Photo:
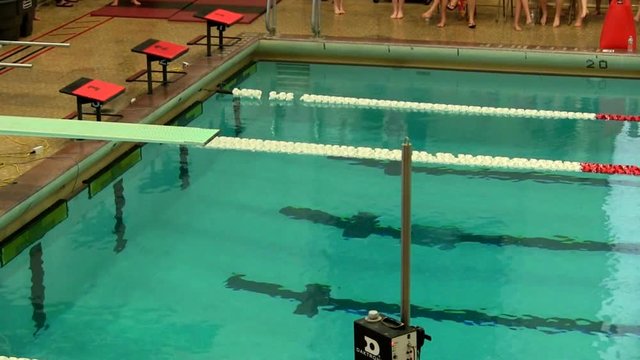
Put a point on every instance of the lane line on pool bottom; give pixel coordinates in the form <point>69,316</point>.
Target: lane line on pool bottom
<point>272,146</point>
<point>342,101</point>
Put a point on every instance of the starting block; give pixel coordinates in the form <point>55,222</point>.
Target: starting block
<point>94,92</point>
<point>221,19</point>
<point>161,51</point>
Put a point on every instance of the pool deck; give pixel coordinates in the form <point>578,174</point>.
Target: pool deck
<point>101,48</point>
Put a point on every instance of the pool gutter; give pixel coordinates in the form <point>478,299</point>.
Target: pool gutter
<point>452,57</point>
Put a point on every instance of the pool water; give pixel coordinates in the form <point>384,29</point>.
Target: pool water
<point>209,254</point>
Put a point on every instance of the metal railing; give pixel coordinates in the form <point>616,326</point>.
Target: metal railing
<point>270,17</point>
<point>315,18</point>
<point>27,43</point>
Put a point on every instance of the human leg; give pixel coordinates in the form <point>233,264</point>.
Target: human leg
<point>558,14</point>
<point>583,13</point>
<point>443,15</point>
<point>543,8</point>
<point>471,13</point>
<point>427,14</point>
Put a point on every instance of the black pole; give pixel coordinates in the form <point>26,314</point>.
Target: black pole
<point>405,233</point>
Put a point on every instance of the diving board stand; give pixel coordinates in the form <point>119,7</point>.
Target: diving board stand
<point>108,131</point>
<point>94,92</point>
<point>161,51</point>
<point>221,20</point>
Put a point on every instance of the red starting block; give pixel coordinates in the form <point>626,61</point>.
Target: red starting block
<point>94,92</point>
<point>161,51</point>
<point>221,19</point>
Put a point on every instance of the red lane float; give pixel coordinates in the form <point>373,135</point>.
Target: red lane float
<point>611,169</point>
<point>618,117</point>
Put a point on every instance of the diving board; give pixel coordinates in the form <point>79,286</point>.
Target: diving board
<point>109,131</point>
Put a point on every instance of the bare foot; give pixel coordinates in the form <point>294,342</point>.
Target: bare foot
<point>114,3</point>
<point>556,22</point>
<point>441,24</point>
<point>579,20</point>
<point>426,15</point>
<point>400,15</point>
<point>637,18</point>
<point>517,27</point>
<point>394,15</point>
<point>543,20</point>
<point>136,2</point>
<point>342,12</point>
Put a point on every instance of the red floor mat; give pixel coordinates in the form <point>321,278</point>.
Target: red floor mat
<point>251,9</point>
<point>150,9</point>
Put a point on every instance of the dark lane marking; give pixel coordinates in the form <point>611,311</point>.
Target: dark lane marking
<point>363,225</point>
<point>392,168</point>
<point>318,296</point>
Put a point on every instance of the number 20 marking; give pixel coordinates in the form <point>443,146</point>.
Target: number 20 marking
<point>602,64</point>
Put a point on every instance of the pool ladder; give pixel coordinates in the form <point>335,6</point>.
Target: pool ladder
<point>315,18</point>
<point>270,17</point>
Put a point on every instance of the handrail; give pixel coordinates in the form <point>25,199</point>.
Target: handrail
<point>33,43</point>
<point>270,17</point>
<point>27,43</point>
<point>15,65</point>
<point>315,18</point>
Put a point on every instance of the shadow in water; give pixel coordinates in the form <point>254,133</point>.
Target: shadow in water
<point>39,316</point>
<point>363,224</point>
<point>184,168</point>
<point>119,227</point>
<point>392,168</point>
<point>318,296</point>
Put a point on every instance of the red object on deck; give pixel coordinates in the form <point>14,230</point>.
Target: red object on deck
<point>224,17</point>
<point>618,26</point>
<point>97,90</point>
<point>165,50</point>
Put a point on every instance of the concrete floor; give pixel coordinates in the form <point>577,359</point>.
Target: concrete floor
<point>101,48</point>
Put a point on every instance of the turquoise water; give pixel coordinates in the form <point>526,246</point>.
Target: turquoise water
<point>238,255</point>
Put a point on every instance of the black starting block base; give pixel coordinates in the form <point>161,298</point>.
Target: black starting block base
<point>136,77</point>
<point>221,20</point>
<point>161,51</point>
<point>226,41</point>
<point>74,115</point>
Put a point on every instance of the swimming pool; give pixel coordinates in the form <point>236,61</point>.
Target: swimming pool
<point>198,253</point>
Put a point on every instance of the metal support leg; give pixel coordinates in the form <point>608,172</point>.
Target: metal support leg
<point>79,108</point>
<point>149,81</point>
<point>98,107</point>
<point>221,29</point>
<point>208,39</point>
<point>164,64</point>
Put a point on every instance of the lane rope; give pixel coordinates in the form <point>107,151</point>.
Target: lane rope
<point>344,151</point>
<point>341,101</point>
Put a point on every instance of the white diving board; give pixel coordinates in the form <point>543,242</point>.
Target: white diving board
<point>110,131</point>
